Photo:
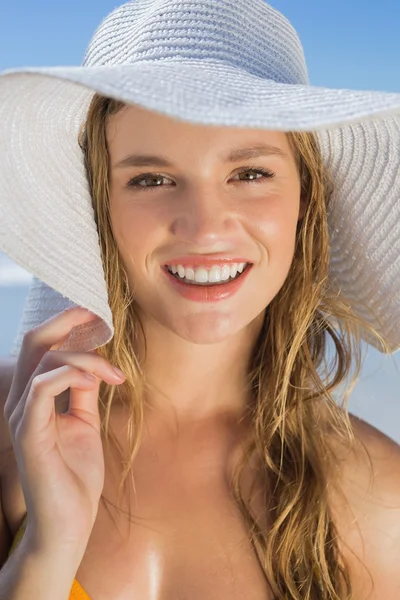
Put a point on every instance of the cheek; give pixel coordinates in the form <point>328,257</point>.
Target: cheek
<point>135,230</point>
<point>274,220</point>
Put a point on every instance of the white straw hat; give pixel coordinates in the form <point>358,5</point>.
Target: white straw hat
<point>237,63</point>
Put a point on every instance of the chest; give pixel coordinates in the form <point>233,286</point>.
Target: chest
<point>185,538</point>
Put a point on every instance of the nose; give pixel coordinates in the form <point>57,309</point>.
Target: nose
<point>204,217</point>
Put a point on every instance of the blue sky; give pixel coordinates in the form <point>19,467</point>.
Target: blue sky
<point>348,44</point>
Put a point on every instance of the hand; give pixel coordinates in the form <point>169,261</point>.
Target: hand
<point>59,456</point>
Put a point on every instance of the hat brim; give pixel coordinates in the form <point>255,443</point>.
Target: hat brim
<point>208,92</point>
<point>46,216</point>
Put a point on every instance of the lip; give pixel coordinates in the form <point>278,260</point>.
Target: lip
<point>203,261</point>
<point>209,293</point>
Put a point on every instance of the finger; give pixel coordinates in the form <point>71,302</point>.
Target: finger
<point>39,408</point>
<point>51,333</point>
<point>84,404</point>
<point>89,362</point>
<point>36,343</point>
<point>86,361</point>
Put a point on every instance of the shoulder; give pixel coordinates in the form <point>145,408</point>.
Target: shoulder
<point>367,511</point>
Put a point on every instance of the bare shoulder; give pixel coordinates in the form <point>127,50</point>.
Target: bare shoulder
<point>367,511</point>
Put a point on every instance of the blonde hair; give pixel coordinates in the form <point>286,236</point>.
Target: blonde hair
<point>300,554</point>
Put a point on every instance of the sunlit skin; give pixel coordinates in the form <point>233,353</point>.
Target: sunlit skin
<point>198,352</point>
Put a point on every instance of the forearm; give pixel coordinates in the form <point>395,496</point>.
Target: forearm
<point>28,575</point>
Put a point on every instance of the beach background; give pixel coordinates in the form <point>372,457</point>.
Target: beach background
<point>347,45</point>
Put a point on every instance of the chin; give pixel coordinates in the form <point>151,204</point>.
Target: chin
<point>210,328</point>
<point>202,325</point>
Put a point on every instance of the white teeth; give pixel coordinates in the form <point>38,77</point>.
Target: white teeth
<point>203,275</point>
<point>189,274</point>
<point>225,273</point>
<point>214,274</point>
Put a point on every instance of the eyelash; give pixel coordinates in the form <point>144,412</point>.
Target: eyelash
<point>133,183</point>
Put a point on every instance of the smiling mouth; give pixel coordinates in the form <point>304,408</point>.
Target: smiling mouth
<point>208,283</point>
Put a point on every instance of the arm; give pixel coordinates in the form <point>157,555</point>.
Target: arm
<point>26,574</point>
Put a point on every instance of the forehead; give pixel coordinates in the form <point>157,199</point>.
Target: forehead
<point>135,128</point>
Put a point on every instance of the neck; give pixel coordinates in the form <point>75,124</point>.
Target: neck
<point>190,382</point>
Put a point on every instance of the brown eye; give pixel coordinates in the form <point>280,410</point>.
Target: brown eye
<point>154,180</point>
<point>253,172</point>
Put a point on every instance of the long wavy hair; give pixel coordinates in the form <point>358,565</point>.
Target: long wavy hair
<point>289,378</point>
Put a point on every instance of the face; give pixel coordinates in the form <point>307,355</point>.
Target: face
<point>201,206</point>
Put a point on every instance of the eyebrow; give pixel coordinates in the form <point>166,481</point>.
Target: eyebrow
<point>144,160</point>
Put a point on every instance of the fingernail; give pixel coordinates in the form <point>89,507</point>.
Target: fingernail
<point>119,373</point>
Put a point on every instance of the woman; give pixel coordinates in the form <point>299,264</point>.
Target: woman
<point>219,465</point>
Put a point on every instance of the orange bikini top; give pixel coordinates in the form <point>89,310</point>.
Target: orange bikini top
<point>77,592</point>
